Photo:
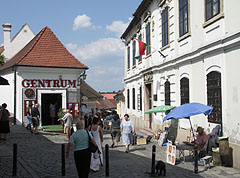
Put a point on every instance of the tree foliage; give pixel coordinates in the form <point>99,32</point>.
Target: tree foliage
<point>1,59</point>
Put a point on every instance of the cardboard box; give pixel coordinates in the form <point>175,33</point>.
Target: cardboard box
<point>141,141</point>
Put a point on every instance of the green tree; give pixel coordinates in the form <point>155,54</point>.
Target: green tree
<point>1,59</point>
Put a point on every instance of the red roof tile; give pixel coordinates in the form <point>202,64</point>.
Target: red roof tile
<point>109,95</point>
<point>44,50</point>
<point>105,104</point>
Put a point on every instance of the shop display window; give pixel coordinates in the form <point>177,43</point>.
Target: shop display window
<point>75,108</point>
<point>27,103</point>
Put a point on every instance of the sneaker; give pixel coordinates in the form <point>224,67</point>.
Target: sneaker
<point>112,146</point>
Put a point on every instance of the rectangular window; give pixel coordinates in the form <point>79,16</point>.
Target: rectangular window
<point>140,98</point>
<point>128,57</point>
<point>27,104</point>
<point>140,38</point>
<point>183,17</point>
<point>133,97</point>
<point>165,27</point>
<point>75,108</point>
<point>128,99</point>
<point>148,41</point>
<point>212,8</point>
<point>134,52</point>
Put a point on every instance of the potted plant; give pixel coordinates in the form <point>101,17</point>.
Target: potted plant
<point>60,114</point>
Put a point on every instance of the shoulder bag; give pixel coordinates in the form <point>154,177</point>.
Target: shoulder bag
<point>92,147</point>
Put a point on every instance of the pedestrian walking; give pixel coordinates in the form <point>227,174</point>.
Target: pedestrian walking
<point>115,129</point>
<point>35,118</point>
<point>29,117</point>
<point>97,134</point>
<point>4,122</point>
<point>82,154</point>
<point>127,130</point>
<point>68,123</point>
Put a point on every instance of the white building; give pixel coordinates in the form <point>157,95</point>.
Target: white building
<point>39,69</point>
<point>200,41</point>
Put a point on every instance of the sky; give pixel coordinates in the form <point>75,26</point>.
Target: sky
<point>89,29</point>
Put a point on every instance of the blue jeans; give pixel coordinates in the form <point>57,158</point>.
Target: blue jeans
<point>29,122</point>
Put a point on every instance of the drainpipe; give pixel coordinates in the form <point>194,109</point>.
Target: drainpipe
<point>15,94</point>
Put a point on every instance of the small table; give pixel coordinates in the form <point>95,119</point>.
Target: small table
<point>182,147</point>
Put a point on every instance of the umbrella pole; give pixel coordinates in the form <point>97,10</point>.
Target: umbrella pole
<point>195,151</point>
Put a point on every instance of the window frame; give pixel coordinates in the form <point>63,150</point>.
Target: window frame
<point>214,96</point>
<point>148,38</point>
<point>184,90</point>
<point>128,57</point>
<point>165,27</point>
<point>182,19</point>
<point>212,9</point>
<point>26,105</point>
<point>140,58</point>
<point>167,93</point>
<point>128,98</point>
<point>133,98</point>
<point>134,52</point>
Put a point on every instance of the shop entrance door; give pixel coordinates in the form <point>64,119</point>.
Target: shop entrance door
<point>50,106</point>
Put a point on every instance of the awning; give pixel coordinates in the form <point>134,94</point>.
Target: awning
<point>89,92</point>
<point>3,81</point>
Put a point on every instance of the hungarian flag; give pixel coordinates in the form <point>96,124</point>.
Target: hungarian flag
<point>141,47</point>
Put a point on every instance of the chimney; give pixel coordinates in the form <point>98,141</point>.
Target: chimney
<point>6,33</point>
<point>6,38</point>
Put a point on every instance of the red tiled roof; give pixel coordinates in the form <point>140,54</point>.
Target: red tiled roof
<point>105,104</point>
<point>109,95</point>
<point>44,50</point>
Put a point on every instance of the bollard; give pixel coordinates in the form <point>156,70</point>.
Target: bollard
<point>196,159</point>
<point>153,159</point>
<point>63,160</point>
<point>14,171</point>
<point>107,160</point>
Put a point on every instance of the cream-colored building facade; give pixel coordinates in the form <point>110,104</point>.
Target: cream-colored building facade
<point>192,56</point>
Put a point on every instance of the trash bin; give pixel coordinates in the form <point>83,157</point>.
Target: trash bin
<point>216,157</point>
<point>224,151</point>
<point>223,146</point>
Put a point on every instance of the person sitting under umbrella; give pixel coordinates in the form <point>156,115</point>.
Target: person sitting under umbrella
<point>201,141</point>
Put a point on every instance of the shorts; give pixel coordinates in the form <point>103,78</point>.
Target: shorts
<point>67,130</point>
<point>116,134</point>
<point>35,121</point>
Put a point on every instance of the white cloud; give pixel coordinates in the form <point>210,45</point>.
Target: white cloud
<point>99,48</point>
<point>118,27</point>
<point>83,21</point>
<point>71,46</point>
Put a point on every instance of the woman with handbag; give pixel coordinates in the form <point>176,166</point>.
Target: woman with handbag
<point>97,133</point>
<point>82,154</point>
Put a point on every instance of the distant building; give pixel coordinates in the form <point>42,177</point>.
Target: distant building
<point>120,99</point>
<point>39,69</point>
<point>191,56</point>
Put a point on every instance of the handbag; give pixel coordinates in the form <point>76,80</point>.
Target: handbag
<point>92,147</point>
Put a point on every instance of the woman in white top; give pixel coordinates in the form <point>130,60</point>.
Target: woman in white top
<point>97,133</point>
<point>127,130</point>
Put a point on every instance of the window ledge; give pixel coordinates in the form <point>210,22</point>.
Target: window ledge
<point>165,47</point>
<point>214,19</point>
<point>184,36</point>
<point>147,56</point>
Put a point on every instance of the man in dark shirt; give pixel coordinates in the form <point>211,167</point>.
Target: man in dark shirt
<point>35,118</point>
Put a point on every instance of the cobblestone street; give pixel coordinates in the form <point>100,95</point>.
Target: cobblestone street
<point>40,156</point>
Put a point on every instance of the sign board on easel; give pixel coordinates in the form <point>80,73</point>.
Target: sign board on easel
<point>171,154</point>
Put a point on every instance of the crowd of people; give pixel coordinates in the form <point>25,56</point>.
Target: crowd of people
<point>90,129</point>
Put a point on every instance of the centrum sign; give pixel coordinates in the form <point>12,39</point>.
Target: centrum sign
<point>45,83</point>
